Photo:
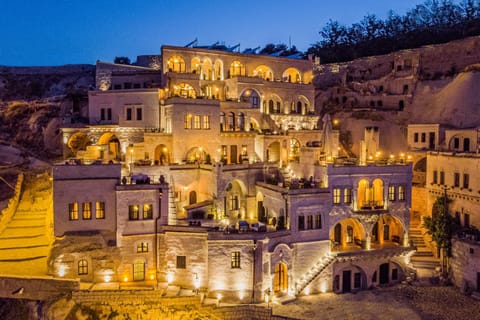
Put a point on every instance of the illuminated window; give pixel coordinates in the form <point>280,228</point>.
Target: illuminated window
<point>148,211</point>
<point>466,179</point>
<point>196,122</point>
<point>87,211</point>
<point>99,210</point>
<point>401,193</point>
<point>318,221</point>
<point>187,124</point>
<point>391,193</point>
<point>206,122</point>
<point>347,195</point>
<point>336,195</point>
<point>73,211</point>
<point>142,247</point>
<point>235,262</point>
<point>133,212</point>
<point>181,262</point>
<point>82,267</point>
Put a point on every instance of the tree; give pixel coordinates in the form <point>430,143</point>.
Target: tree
<point>441,226</point>
<point>121,60</point>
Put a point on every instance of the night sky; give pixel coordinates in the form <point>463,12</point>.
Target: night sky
<point>57,32</point>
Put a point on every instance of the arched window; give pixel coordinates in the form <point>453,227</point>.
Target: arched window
<point>270,107</point>
<point>222,122</point>
<point>231,121</point>
<point>176,64</point>
<point>237,69</point>
<point>82,267</point>
<point>184,90</point>
<point>241,121</point>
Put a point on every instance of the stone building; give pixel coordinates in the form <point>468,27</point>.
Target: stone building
<point>225,180</point>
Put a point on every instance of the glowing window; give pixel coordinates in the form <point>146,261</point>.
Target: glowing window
<point>133,212</point>
<point>147,211</point>
<point>336,195</point>
<point>87,211</point>
<point>391,193</point>
<point>347,195</point>
<point>82,267</point>
<point>73,211</point>
<point>100,210</point>
<point>401,193</point>
<point>142,247</point>
<point>206,122</point>
<point>196,122</point>
<point>235,262</point>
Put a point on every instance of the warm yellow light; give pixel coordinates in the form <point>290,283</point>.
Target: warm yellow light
<point>392,156</point>
<point>107,278</point>
<point>323,287</point>
<point>196,282</point>
<point>402,154</point>
<point>169,277</point>
<point>267,298</point>
<point>65,139</point>
<point>219,296</point>
<point>61,271</point>
<point>335,121</point>
<point>152,276</point>
<point>125,279</point>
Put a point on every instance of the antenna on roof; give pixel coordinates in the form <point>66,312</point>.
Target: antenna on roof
<point>194,42</point>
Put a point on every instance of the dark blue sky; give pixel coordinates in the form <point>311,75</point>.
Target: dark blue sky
<point>56,32</point>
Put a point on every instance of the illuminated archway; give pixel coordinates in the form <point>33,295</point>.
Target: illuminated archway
<point>176,64</point>
<point>161,155</point>
<point>388,229</point>
<point>195,65</point>
<point>347,234</point>
<point>292,75</point>
<point>275,105</point>
<point>236,69</point>
<point>218,70</point>
<point>207,70</point>
<point>294,150</point>
<point>109,143</point>
<point>78,141</point>
<point>184,90</point>
<point>377,193</point>
<point>235,201</point>
<point>196,154</point>
<point>251,96</point>
<point>264,72</point>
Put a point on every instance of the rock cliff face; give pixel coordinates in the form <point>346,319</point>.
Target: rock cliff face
<point>432,84</point>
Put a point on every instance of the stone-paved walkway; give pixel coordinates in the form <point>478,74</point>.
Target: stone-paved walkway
<point>24,243</point>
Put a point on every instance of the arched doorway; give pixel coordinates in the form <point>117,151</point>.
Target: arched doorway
<point>196,154</point>
<point>110,147</point>
<point>252,97</point>
<point>192,197</point>
<point>78,141</point>
<point>235,200</point>
<point>161,155</point>
<point>280,279</point>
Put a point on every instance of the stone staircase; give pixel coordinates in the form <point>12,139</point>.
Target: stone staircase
<point>423,259</point>
<point>314,272</point>
<point>26,238</point>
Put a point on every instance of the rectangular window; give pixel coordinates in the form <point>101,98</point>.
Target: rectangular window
<point>301,223</point>
<point>187,121</point>
<point>235,262</point>
<point>442,177</point>
<point>401,193</point>
<point>424,137</point>
<point>466,220</point>
<point>310,222</point>
<point>142,247</point>
<point>466,180</point>
<point>456,179</point>
<point>139,114</point>
<point>415,137</point>
<point>133,212</point>
<point>391,193</point>
<point>102,114</point>
<point>181,262</point>
<point>196,122</point>
<point>100,210</point>
<point>87,211</point>
<point>435,176</point>
<point>234,202</point>
<point>357,280</point>
<point>318,221</point>
<point>73,211</point>
<point>128,116</point>
<point>109,113</point>
<point>336,195</point>
<point>82,267</point>
<point>347,195</point>
<point>147,211</point>
<point>206,122</point>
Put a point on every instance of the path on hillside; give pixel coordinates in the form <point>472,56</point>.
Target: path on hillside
<point>25,241</point>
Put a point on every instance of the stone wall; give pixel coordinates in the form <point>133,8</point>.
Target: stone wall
<point>465,264</point>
